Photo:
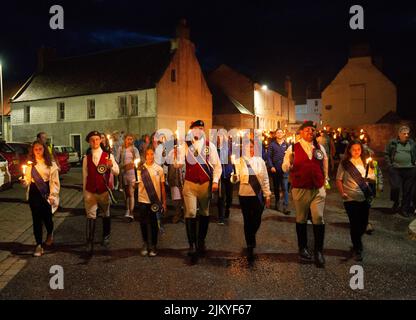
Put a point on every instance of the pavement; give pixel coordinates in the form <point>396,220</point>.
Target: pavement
<point>120,272</point>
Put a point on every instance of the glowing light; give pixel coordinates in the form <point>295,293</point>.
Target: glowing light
<point>232,159</point>
<point>369,160</point>
<point>136,162</point>
<point>264,87</point>
<point>362,137</point>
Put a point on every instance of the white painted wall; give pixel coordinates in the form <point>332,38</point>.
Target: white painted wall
<point>106,108</point>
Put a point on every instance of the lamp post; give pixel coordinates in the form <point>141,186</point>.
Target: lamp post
<point>2,106</point>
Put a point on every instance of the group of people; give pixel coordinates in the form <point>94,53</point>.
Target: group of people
<point>198,169</point>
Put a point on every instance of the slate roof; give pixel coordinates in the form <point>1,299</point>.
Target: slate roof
<point>224,104</point>
<point>119,70</point>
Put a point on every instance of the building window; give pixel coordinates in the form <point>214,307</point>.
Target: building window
<point>122,106</point>
<point>61,111</point>
<point>26,118</point>
<point>316,103</point>
<point>134,100</point>
<point>91,108</point>
<point>173,75</point>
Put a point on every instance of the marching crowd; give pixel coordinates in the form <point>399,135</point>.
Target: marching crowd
<point>196,170</point>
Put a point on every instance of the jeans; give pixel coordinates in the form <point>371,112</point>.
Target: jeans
<point>225,198</point>
<point>280,182</point>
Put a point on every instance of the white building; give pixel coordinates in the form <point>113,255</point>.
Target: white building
<point>138,89</point>
<point>310,110</point>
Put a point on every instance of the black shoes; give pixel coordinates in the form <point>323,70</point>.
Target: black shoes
<point>319,259</point>
<point>305,255</point>
<point>396,208</point>
<point>250,254</point>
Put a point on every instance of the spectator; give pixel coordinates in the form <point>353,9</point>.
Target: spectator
<point>400,156</point>
<point>275,156</point>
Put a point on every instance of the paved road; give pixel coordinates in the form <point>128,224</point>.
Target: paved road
<point>121,273</point>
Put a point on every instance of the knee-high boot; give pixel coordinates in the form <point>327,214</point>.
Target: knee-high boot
<point>190,224</point>
<point>319,234</point>
<point>90,226</point>
<point>301,231</point>
<point>106,230</point>
<point>202,234</point>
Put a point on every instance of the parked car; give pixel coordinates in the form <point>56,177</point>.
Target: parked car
<point>12,159</point>
<point>5,178</point>
<point>73,154</point>
<point>22,148</point>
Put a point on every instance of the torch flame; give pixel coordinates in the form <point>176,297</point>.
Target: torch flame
<point>369,160</point>
<point>232,159</point>
<point>362,137</point>
<point>136,162</point>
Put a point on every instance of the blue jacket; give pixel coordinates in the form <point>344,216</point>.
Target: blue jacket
<point>276,154</point>
<point>227,167</point>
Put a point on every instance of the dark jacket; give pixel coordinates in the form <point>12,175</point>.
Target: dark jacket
<point>276,154</point>
<point>391,148</point>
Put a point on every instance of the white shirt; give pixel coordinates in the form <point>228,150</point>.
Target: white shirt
<point>350,187</point>
<point>96,156</point>
<point>308,148</point>
<point>158,177</point>
<point>242,175</point>
<point>50,174</point>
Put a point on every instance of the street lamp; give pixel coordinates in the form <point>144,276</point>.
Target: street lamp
<point>2,106</point>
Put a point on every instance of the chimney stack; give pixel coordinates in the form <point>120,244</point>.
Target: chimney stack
<point>288,87</point>
<point>182,30</point>
<point>45,55</point>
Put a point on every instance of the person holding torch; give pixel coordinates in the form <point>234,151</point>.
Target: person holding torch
<point>97,167</point>
<point>355,172</point>
<point>41,177</point>
<point>126,155</point>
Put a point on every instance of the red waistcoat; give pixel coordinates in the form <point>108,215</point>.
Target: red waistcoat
<point>95,181</point>
<point>194,173</point>
<point>306,173</point>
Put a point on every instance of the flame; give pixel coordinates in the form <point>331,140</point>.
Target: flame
<point>369,160</point>
<point>24,167</point>
<point>362,131</point>
<point>335,135</point>
<point>233,159</point>
<point>136,162</point>
<point>339,130</point>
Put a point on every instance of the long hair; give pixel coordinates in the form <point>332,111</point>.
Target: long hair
<point>46,155</point>
<point>348,155</point>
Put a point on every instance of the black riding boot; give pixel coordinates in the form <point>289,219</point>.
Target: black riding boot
<point>190,224</point>
<point>90,235</point>
<point>202,234</point>
<point>106,231</point>
<point>319,234</point>
<point>301,231</point>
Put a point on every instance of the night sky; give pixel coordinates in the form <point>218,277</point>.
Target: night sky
<point>266,40</point>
